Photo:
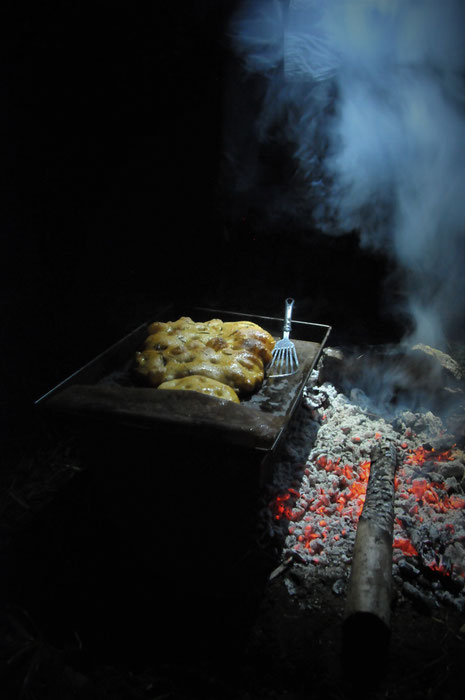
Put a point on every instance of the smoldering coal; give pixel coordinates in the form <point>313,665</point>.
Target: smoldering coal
<point>371,98</point>
<point>315,497</point>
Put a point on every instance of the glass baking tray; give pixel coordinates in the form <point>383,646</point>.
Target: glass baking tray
<point>104,388</point>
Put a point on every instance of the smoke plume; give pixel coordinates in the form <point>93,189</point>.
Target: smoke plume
<point>371,95</point>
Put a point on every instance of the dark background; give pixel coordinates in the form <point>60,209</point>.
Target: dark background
<point>118,128</point>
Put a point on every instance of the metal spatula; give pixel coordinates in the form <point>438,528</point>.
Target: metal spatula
<point>284,360</point>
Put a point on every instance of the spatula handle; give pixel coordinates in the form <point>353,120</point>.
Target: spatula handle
<point>289,303</point>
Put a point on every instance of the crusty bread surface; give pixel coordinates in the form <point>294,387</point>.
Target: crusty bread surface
<point>233,353</point>
<point>203,385</point>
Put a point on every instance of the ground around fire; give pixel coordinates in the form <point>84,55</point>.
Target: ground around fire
<point>248,639</point>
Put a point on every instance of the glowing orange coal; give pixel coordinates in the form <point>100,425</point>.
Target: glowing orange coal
<point>426,492</point>
<point>440,568</point>
<point>430,498</point>
<point>330,510</point>
<point>435,495</point>
<point>405,546</point>
<point>282,505</point>
<point>312,513</point>
<point>421,455</point>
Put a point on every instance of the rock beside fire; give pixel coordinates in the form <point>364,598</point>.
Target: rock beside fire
<point>448,364</point>
<point>394,376</point>
<point>331,365</point>
<point>456,423</point>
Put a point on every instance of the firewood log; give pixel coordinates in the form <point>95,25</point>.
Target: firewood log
<point>368,603</point>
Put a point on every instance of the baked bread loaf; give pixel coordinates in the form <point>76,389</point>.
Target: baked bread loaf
<point>234,353</point>
<point>204,385</point>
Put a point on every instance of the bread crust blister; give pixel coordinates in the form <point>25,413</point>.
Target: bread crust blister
<point>232,353</point>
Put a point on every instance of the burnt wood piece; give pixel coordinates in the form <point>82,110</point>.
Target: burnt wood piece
<point>368,603</point>
<point>190,411</point>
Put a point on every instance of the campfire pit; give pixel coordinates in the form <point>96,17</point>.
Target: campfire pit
<point>318,493</point>
<point>190,539</point>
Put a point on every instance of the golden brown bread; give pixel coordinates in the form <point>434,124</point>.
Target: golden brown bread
<point>234,353</point>
<point>204,385</point>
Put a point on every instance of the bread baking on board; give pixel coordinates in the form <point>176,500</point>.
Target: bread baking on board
<point>233,353</point>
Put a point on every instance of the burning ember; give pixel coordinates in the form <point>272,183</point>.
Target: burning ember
<point>345,495</point>
<point>430,524</point>
<point>319,491</point>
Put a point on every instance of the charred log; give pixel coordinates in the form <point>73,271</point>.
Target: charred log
<point>368,604</point>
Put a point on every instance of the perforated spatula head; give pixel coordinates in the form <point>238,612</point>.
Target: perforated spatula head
<point>284,359</point>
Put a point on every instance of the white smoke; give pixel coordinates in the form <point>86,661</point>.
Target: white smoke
<point>373,93</point>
